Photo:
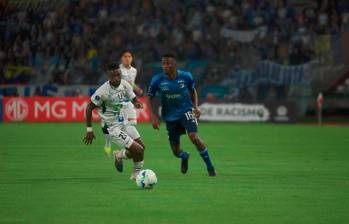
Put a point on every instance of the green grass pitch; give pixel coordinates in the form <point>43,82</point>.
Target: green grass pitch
<point>266,174</point>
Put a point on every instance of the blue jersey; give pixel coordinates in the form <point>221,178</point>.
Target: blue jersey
<point>174,94</point>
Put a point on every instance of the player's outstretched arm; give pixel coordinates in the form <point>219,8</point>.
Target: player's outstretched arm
<point>137,90</point>
<point>194,98</point>
<point>154,118</point>
<point>89,132</point>
<point>136,103</point>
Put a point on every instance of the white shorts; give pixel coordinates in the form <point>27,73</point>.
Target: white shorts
<point>132,131</point>
<point>123,135</point>
<point>129,111</point>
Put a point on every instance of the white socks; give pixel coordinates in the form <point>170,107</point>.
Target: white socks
<point>123,154</point>
<point>137,166</point>
<point>107,141</point>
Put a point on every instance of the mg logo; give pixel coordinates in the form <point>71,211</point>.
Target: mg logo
<point>16,109</point>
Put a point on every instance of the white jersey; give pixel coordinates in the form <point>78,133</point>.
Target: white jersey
<point>128,74</point>
<point>110,100</point>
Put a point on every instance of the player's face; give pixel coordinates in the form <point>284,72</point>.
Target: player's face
<point>169,65</point>
<point>126,59</point>
<point>114,77</point>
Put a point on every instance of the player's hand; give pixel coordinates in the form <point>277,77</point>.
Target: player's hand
<point>197,112</point>
<point>89,138</point>
<point>138,90</point>
<point>138,105</point>
<point>156,123</point>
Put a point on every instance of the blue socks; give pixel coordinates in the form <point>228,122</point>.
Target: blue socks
<point>204,155</point>
<point>183,155</point>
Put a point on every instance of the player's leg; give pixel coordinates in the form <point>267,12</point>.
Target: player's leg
<point>107,145</point>
<point>133,150</point>
<point>175,130</point>
<point>190,124</point>
<point>184,156</point>
<point>130,113</point>
<point>134,134</point>
<point>200,146</point>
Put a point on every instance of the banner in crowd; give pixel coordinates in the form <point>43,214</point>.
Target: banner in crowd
<point>53,109</point>
<point>278,112</point>
<point>274,73</point>
<point>243,36</point>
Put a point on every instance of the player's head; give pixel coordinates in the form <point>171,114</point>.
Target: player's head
<point>126,58</point>
<point>114,74</point>
<point>169,64</point>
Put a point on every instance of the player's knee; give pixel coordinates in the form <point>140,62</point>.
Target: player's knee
<point>142,144</point>
<point>139,141</point>
<point>136,149</point>
<point>194,138</point>
<point>140,149</point>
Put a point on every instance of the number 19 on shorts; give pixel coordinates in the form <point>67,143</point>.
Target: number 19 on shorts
<point>190,116</point>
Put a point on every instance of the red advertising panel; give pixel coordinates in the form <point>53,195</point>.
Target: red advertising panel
<point>53,109</point>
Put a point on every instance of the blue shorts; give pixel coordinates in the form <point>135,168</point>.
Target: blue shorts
<point>176,128</point>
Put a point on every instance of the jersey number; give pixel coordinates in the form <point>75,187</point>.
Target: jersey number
<point>190,116</point>
<point>123,136</point>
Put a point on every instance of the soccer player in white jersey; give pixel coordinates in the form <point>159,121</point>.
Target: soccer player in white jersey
<point>128,73</point>
<point>109,99</point>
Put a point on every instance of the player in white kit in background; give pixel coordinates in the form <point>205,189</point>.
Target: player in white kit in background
<point>109,99</point>
<point>128,73</point>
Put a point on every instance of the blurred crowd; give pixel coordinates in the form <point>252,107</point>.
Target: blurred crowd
<point>70,41</point>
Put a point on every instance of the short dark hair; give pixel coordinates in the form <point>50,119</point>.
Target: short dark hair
<point>169,55</point>
<point>124,52</point>
<point>112,66</point>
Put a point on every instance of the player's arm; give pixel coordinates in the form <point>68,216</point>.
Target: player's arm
<point>194,99</point>
<point>194,95</point>
<point>131,95</point>
<point>89,132</point>
<point>135,87</point>
<point>153,87</point>
<point>153,114</point>
<point>136,103</point>
<point>138,90</point>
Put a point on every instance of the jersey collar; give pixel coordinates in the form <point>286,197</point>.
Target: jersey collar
<point>113,87</point>
<point>177,74</point>
<point>124,67</point>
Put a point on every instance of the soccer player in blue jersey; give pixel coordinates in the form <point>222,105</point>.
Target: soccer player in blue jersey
<point>179,101</point>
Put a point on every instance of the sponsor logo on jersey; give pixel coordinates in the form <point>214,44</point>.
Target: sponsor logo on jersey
<point>164,86</point>
<point>181,84</point>
<point>173,96</point>
<point>118,96</point>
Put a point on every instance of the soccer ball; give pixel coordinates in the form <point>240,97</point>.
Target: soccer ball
<point>146,179</point>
